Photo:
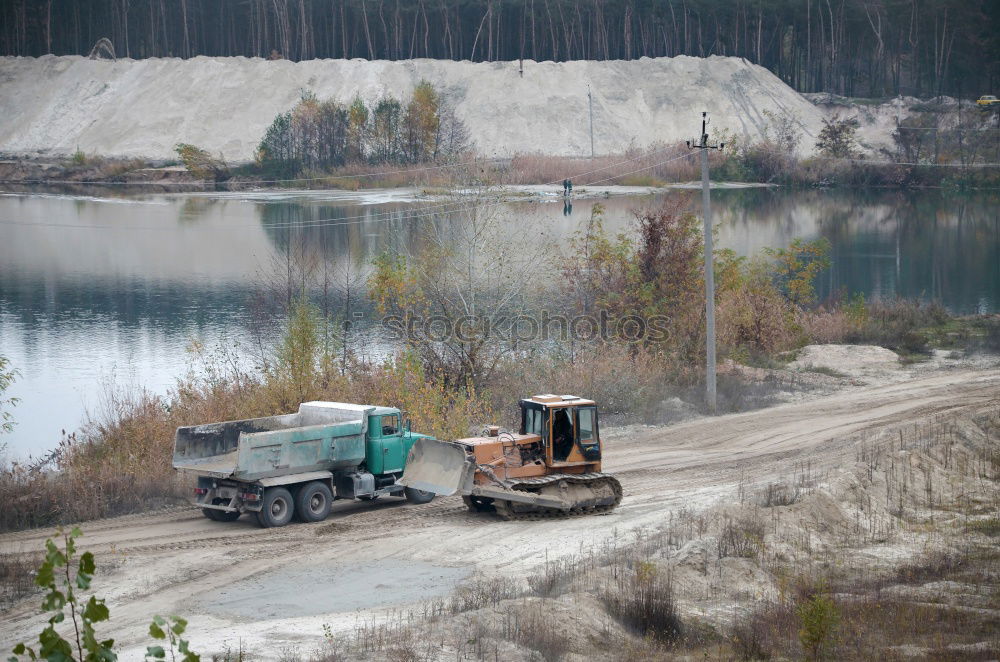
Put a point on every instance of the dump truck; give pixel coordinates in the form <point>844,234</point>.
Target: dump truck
<point>296,465</point>
<point>550,467</point>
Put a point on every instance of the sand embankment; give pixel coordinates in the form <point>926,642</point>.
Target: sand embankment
<point>141,108</point>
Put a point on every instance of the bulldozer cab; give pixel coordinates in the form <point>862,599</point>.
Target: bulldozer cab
<point>567,425</point>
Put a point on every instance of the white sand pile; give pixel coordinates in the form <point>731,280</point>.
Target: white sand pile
<point>54,105</point>
<point>851,360</point>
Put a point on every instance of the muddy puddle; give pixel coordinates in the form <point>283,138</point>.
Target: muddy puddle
<point>312,590</point>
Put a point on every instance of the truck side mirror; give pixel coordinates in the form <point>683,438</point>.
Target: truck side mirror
<point>407,426</point>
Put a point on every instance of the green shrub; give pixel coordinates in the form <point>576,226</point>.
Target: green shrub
<point>818,619</point>
<point>836,139</point>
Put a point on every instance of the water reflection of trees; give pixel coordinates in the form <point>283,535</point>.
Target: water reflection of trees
<point>352,233</point>
<point>928,244</point>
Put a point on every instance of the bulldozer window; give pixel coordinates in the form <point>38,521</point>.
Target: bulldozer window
<point>533,421</point>
<point>585,429</point>
<point>562,434</point>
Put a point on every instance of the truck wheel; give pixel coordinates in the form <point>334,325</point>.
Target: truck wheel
<point>418,496</point>
<point>277,508</point>
<point>312,503</point>
<point>211,513</point>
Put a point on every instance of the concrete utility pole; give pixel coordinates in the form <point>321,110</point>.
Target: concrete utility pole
<point>590,101</point>
<point>710,397</point>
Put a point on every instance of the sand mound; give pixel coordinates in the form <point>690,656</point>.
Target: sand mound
<point>851,360</point>
<point>54,105</point>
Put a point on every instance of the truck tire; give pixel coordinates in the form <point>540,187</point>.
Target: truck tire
<point>277,508</point>
<point>313,501</point>
<point>211,513</point>
<point>418,496</point>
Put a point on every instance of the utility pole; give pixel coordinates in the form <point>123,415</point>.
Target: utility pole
<point>590,101</point>
<point>706,213</point>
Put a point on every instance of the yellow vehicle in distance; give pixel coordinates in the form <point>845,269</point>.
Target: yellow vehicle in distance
<point>987,101</point>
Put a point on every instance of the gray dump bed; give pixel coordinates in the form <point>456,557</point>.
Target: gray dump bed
<point>321,436</point>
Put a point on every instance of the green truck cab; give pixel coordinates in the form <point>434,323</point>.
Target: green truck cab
<point>296,465</point>
<point>388,442</point>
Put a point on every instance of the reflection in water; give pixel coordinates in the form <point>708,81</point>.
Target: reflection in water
<point>922,244</point>
<point>95,286</point>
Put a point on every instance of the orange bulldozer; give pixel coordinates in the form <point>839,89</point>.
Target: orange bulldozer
<point>550,467</point>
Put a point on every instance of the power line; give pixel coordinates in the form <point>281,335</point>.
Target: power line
<point>632,172</point>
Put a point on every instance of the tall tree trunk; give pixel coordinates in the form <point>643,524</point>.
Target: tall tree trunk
<point>187,38</point>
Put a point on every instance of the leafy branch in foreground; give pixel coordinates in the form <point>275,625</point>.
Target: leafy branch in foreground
<point>170,632</point>
<point>56,575</point>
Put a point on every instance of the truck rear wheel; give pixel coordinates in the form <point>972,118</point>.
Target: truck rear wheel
<point>418,496</point>
<point>277,508</point>
<point>313,501</point>
<point>210,513</point>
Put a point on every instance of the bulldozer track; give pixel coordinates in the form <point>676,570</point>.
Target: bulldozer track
<point>505,510</point>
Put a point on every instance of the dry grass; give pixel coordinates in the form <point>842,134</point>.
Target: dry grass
<point>870,620</point>
<point>742,537</point>
<point>900,325</point>
<point>476,594</point>
<point>641,597</point>
<point>17,576</point>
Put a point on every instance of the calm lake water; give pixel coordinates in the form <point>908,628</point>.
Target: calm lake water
<point>99,289</point>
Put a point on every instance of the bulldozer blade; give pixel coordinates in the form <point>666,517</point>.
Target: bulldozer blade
<point>437,466</point>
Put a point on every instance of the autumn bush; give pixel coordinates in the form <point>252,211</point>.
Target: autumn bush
<point>201,164</point>
<point>316,136</point>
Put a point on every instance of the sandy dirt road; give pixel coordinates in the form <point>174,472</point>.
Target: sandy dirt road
<point>274,588</point>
